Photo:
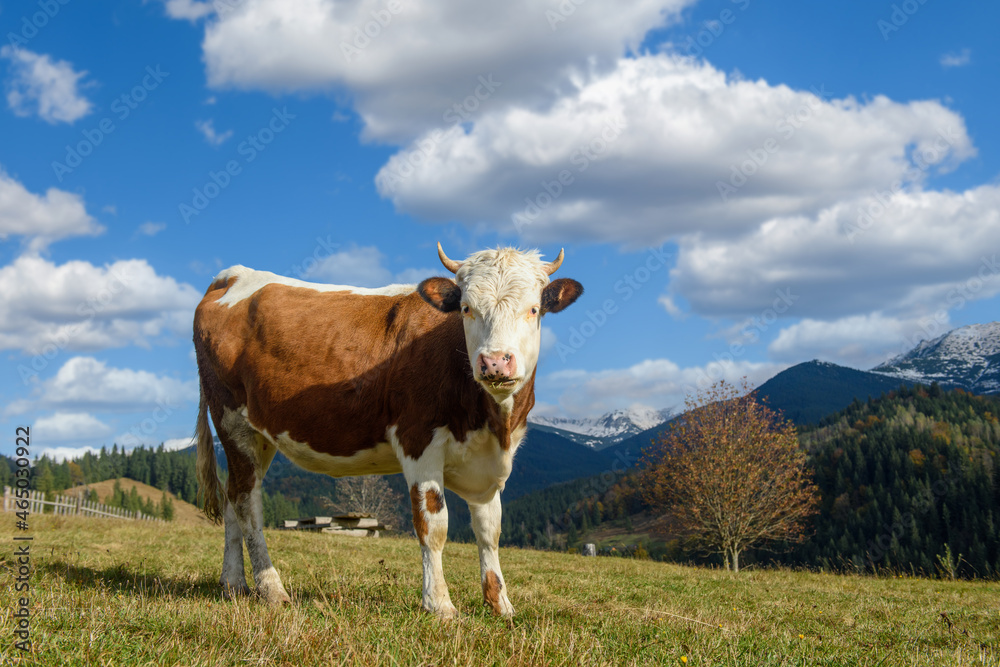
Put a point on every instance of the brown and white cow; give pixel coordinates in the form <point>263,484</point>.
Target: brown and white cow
<point>353,381</point>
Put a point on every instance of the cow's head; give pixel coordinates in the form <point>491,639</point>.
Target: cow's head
<point>502,295</point>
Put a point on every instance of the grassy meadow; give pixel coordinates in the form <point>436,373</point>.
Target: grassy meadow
<point>113,592</point>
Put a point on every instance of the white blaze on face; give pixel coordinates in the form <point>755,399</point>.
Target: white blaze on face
<point>501,310</point>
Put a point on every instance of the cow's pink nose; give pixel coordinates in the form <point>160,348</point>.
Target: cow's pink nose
<point>497,368</point>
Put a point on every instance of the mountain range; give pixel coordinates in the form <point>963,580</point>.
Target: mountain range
<point>965,358</point>
<point>604,431</point>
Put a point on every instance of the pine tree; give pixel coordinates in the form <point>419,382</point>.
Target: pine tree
<point>166,507</point>
<point>571,535</point>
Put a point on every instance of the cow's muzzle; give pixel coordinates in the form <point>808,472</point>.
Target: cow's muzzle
<point>497,371</point>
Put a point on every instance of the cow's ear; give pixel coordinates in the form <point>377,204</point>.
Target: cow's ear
<point>441,293</point>
<point>560,293</point>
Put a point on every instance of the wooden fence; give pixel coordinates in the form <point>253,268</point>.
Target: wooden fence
<point>68,505</point>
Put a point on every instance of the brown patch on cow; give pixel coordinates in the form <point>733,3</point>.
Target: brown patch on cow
<point>221,283</point>
<point>433,500</point>
<point>491,591</point>
<point>419,522</point>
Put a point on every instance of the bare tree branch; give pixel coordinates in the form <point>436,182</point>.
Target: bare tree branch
<point>370,494</point>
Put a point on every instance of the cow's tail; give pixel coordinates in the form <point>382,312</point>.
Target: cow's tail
<point>208,477</point>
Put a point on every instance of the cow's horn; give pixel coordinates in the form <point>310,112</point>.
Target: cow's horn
<point>449,264</point>
<point>551,267</point>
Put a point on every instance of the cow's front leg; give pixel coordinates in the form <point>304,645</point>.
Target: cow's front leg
<point>430,519</point>
<point>486,524</point>
<point>425,479</point>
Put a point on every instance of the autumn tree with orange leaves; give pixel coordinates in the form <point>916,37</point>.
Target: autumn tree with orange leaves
<point>731,474</point>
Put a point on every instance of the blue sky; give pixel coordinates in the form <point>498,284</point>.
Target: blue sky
<point>745,185</point>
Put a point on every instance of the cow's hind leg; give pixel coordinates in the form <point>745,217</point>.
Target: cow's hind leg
<point>486,525</point>
<point>425,478</point>
<point>249,455</point>
<point>233,578</point>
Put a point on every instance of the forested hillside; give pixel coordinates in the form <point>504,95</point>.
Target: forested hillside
<point>171,471</point>
<point>909,481</point>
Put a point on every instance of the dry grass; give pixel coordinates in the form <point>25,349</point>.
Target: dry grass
<point>108,592</point>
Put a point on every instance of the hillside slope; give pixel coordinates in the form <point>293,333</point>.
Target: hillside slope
<point>185,513</point>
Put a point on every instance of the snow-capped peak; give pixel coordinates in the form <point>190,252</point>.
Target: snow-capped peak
<point>612,427</point>
<point>967,357</point>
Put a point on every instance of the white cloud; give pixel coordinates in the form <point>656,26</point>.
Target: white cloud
<point>959,59</point>
<point>657,383</point>
<point>85,383</point>
<point>858,341</point>
<point>42,218</point>
<point>63,426</point>
<point>207,128</point>
<point>643,149</point>
<point>39,85</point>
<point>911,256</point>
<point>151,228</point>
<point>416,63</point>
<point>79,306</point>
<point>361,266</point>
<point>407,276</point>
<point>189,10</point>
<point>669,304</point>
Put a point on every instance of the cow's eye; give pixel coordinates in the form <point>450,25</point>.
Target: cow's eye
<point>534,310</point>
<point>465,309</point>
